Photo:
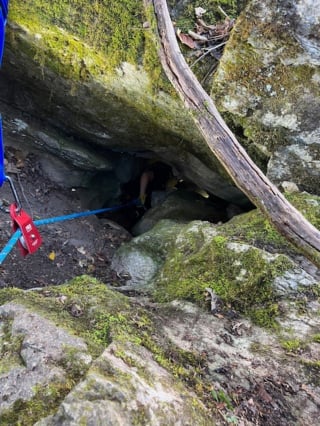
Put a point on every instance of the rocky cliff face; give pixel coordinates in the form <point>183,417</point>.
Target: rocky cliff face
<point>78,80</point>
<point>268,81</point>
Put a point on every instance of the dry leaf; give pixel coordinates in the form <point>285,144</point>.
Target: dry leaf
<point>186,39</point>
<point>52,256</point>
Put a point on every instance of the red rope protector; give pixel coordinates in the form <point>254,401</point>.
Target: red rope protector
<point>30,239</point>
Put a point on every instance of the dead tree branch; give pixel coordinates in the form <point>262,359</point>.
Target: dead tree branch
<point>244,172</point>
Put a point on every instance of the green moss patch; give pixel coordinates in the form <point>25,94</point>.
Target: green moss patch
<point>255,229</point>
<point>113,28</point>
<point>242,279</point>
<point>45,402</point>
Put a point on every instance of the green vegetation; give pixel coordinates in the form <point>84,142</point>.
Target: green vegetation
<point>112,28</point>
<point>293,345</point>
<point>316,338</point>
<point>221,396</point>
<point>241,278</point>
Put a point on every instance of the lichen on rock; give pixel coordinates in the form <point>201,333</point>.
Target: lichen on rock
<point>267,84</point>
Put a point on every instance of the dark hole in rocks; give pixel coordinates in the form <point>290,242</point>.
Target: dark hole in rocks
<point>48,188</point>
<point>157,189</point>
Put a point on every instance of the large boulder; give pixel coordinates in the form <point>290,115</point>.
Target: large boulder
<point>268,85</point>
<point>244,261</point>
<point>89,80</point>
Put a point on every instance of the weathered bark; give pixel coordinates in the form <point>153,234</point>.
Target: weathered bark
<point>244,172</point>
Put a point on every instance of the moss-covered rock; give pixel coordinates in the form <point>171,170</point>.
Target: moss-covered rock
<point>61,334</point>
<point>92,73</point>
<point>267,83</point>
<point>245,262</point>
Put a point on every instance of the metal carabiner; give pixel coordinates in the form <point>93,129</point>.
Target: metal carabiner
<point>15,194</point>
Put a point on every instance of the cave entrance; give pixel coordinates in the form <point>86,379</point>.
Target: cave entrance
<point>150,182</point>
<point>151,190</point>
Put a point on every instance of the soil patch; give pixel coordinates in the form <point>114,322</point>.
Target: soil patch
<point>70,248</point>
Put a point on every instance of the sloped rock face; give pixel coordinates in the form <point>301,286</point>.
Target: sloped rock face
<point>268,81</point>
<point>115,393</point>
<point>42,350</point>
<point>68,84</point>
<point>85,364</point>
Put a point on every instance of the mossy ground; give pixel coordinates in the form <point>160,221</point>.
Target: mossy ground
<point>242,280</point>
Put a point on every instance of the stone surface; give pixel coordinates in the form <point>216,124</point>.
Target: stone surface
<point>181,206</point>
<point>139,261</point>
<point>142,393</point>
<point>268,80</point>
<point>42,349</point>
<point>253,374</point>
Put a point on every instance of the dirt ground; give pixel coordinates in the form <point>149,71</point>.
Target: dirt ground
<point>69,248</point>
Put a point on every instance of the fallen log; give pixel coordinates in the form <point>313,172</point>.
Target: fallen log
<point>246,175</point>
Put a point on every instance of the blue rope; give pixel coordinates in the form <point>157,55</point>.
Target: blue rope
<point>17,234</point>
<point>9,246</point>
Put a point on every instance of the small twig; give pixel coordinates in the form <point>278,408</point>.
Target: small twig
<point>207,53</point>
<point>218,37</point>
<point>196,36</point>
<point>211,70</point>
<point>212,297</point>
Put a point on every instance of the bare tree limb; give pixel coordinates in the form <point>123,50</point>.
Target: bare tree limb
<point>244,172</point>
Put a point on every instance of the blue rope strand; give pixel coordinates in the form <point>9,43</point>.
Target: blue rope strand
<point>17,234</point>
<point>83,214</point>
<point>9,246</point>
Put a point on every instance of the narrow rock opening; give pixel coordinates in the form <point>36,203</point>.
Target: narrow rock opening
<point>150,189</point>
